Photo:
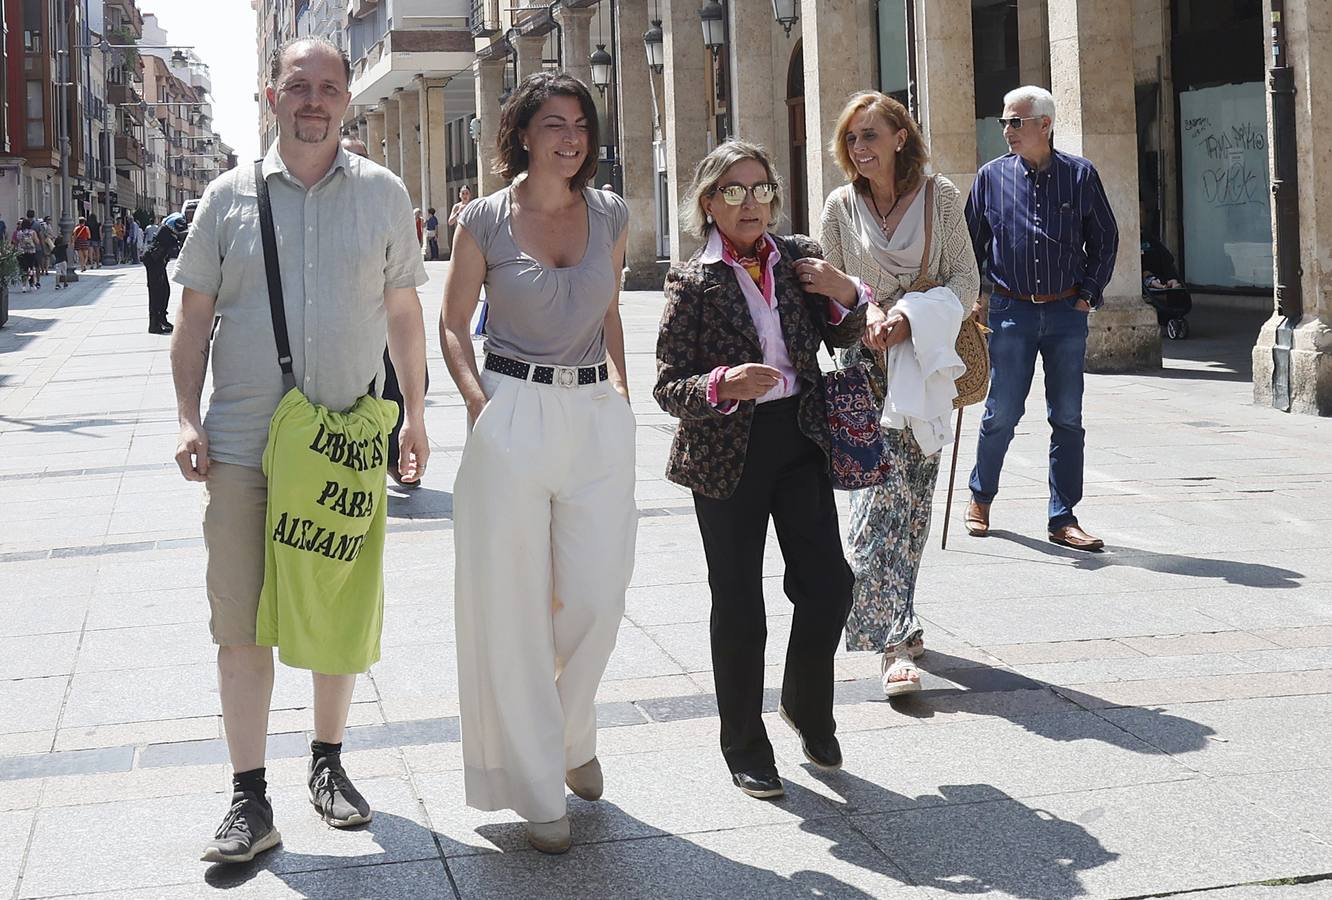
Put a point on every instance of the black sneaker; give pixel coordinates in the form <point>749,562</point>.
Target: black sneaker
<point>246,831</point>
<point>333,794</point>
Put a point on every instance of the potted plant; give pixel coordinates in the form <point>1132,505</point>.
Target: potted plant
<point>9,271</point>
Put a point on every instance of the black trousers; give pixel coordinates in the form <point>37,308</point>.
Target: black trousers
<point>786,478</point>
<point>159,291</point>
<point>393,391</point>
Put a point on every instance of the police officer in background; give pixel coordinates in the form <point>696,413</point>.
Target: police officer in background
<point>165,247</point>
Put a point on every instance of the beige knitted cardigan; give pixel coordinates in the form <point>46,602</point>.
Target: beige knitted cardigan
<point>952,260</point>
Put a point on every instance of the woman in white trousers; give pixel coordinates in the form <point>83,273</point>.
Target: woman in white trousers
<point>544,516</point>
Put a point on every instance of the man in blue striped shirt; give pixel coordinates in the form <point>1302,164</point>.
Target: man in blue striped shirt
<point>1045,235</point>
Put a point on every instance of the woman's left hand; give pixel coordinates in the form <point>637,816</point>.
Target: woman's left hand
<point>817,276</point>
<point>898,328</point>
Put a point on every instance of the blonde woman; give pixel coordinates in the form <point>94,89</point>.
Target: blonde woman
<point>737,364</point>
<point>874,228</point>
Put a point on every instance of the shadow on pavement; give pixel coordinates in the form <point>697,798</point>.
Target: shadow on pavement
<point>419,503</point>
<point>1164,733</point>
<point>653,864</point>
<point>1240,573</point>
<point>968,838</point>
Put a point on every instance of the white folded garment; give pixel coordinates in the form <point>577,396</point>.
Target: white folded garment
<point>922,371</point>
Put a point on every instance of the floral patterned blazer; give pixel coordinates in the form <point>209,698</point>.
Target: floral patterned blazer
<point>707,324</point>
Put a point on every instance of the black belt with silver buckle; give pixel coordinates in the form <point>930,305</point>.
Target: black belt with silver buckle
<point>563,376</point>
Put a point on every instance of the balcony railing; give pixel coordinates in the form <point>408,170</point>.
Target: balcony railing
<point>129,150</point>
<point>483,18</point>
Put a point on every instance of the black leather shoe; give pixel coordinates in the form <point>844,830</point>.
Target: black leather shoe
<point>761,784</point>
<point>824,752</point>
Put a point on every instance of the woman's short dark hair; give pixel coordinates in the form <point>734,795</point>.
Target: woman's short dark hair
<point>511,159</point>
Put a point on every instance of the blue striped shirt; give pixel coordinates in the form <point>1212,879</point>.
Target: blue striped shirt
<point>1043,232</point>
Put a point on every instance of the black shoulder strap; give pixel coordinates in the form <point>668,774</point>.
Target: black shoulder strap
<point>275,303</point>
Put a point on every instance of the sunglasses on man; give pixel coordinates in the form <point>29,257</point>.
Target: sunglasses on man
<point>1015,122</point>
<point>734,194</point>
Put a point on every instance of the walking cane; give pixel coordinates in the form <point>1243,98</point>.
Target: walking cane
<point>952,475</point>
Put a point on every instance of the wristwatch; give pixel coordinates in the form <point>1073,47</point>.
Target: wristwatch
<point>1091,301</point>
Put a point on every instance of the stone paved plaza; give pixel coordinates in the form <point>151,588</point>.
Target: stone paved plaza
<point>1149,721</point>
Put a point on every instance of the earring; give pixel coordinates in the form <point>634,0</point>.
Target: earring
<point>708,216</point>
<point>525,147</point>
<point>899,148</point>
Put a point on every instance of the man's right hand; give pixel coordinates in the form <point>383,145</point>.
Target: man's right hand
<point>192,452</point>
<point>747,382</point>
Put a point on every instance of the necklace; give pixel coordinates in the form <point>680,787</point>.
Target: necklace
<point>883,219</point>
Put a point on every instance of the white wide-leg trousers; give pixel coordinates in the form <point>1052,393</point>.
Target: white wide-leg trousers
<point>544,530</point>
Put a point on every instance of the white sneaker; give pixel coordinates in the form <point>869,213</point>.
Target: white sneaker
<point>550,837</point>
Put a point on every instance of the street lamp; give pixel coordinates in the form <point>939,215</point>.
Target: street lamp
<point>713,17</point>
<point>654,42</point>
<point>784,11</point>
<point>602,64</point>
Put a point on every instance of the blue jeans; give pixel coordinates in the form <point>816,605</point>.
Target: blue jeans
<point>1057,331</point>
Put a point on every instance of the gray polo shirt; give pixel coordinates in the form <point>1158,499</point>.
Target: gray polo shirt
<point>341,245</point>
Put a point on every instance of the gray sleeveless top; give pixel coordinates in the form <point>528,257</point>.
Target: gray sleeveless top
<point>539,313</point>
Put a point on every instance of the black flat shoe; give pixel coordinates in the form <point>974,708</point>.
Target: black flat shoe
<point>824,752</point>
<point>761,784</point>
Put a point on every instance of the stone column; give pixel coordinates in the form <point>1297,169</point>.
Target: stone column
<point>374,135</point>
<point>489,83</point>
<point>750,51</point>
<point>1091,65</point>
<point>362,133</point>
<point>531,49</point>
<point>685,111</point>
<point>409,106</point>
<point>635,106</point>
<point>839,46</point>
<point>434,147</point>
<point>576,44</point>
<point>945,73</point>
<point>393,135</point>
<point>1034,42</point>
<point>1309,53</point>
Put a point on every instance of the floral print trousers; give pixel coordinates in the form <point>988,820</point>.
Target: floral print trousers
<point>885,540</point>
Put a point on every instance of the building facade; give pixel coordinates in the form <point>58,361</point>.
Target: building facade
<point>1169,98</point>
<point>78,90</point>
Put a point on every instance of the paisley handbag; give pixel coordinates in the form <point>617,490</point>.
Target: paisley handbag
<point>855,441</point>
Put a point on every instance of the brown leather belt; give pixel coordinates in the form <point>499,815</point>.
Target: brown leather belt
<point>1038,298</point>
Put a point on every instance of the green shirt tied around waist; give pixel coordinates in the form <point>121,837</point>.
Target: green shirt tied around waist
<point>322,603</point>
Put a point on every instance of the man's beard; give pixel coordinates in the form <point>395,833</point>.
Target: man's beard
<point>312,134</point>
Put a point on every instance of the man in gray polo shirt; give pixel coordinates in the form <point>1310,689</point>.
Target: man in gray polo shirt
<point>350,265</point>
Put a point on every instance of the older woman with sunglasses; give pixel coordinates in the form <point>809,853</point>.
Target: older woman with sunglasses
<point>737,364</point>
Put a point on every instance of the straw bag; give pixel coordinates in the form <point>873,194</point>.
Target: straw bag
<point>972,346</point>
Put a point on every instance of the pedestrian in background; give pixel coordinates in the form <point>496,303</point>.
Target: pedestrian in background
<point>82,238</point>
<point>1044,233</point>
<point>4,230</point>
<point>25,243</point>
<point>737,364</point>
<point>392,390</point>
<point>60,254</point>
<point>420,228</point>
<point>94,241</point>
<point>875,228</point>
<point>544,513</point>
<point>432,235</point>
<point>165,247</point>
<point>344,292</point>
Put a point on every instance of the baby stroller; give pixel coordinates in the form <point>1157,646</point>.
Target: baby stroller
<point>1163,290</point>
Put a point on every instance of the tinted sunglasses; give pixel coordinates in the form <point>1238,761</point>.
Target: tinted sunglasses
<point>1015,122</point>
<point>734,194</point>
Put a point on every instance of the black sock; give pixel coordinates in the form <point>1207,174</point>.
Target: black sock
<point>322,749</point>
<point>251,781</point>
